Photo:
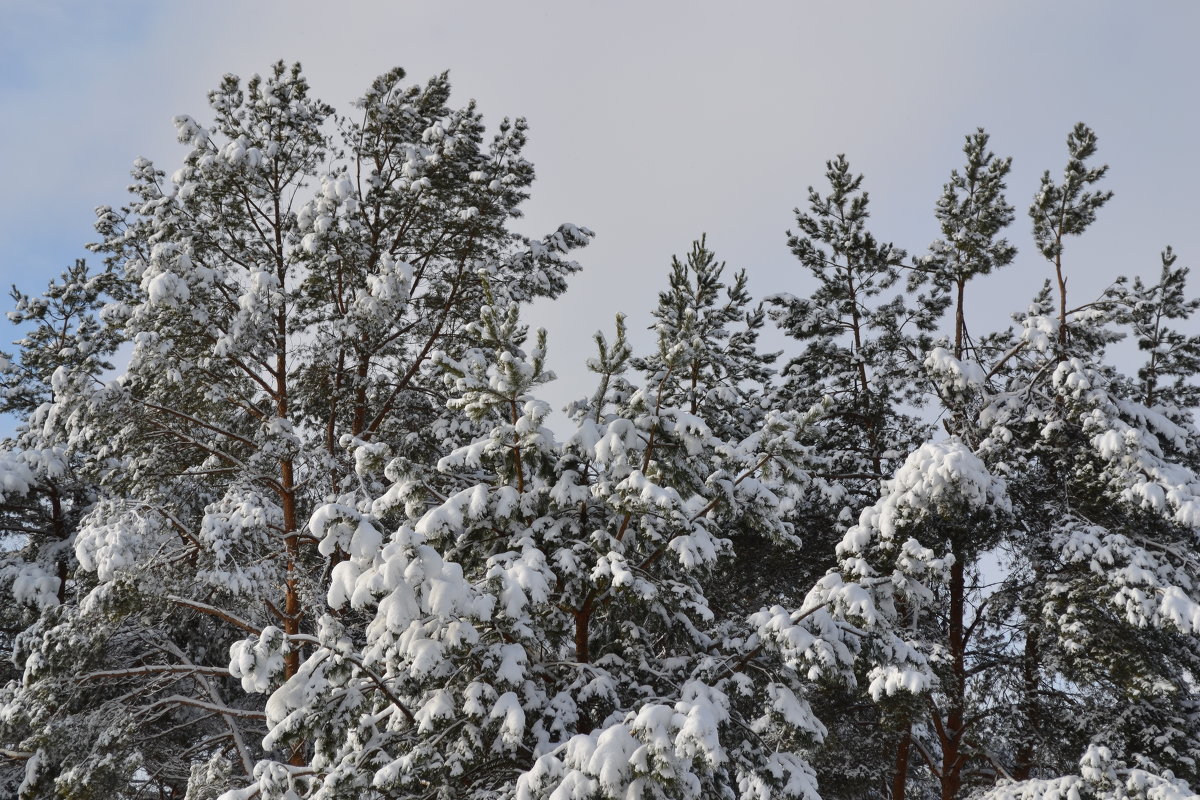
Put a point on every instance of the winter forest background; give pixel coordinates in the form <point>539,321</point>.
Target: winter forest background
<point>886,496</point>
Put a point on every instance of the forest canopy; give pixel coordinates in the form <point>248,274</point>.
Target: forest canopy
<point>284,516</point>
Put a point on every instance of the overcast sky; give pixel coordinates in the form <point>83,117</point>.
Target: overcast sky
<point>651,122</point>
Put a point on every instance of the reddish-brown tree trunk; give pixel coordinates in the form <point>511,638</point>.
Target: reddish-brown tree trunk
<point>900,773</point>
<point>953,758</point>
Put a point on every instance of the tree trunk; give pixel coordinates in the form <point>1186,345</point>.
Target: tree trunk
<point>952,737</point>
<point>900,773</point>
<point>1030,710</point>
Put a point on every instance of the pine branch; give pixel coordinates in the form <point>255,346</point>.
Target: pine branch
<point>212,611</point>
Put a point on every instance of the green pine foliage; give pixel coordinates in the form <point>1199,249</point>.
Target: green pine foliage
<point>1172,357</point>
<point>708,360</point>
<point>858,338</point>
<point>708,364</point>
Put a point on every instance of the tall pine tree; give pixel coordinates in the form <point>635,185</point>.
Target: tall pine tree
<point>284,292</point>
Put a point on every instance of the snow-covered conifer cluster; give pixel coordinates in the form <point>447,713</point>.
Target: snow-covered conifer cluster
<point>316,537</point>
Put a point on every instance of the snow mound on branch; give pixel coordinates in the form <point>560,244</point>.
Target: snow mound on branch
<point>1101,777</point>
<point>33,586</point>
<point>937,478</point>
<point>15,475</point>
<point>953,374</point>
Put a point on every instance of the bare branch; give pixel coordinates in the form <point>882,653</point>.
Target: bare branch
<point>212,611</point>
<point>179,699</point>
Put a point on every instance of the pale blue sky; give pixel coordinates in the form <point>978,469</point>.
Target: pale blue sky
<point>651,121</point>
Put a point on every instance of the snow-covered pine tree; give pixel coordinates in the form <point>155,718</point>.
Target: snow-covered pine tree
<point>1056,476</point>
<point>709,364</point>
<point>1167,377</point>
<point>42,498</point>
<point>62,338</point>
<point>1101,597</point>
<point>285,292</point>
<point>972,214</point>
<point>538,620</point>
<point>858,347</point>
<point>708,360</point>
<point>860,353</point>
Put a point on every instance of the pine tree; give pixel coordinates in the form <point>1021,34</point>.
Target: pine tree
<point>708,364</point>
<point>512,609</point>
<point>44,495</point>
<point>1172,357</point>
<point>1057,473</point>
<point>860,358</point>
<point>860,353</point>
<point>856,346</point>
<point>1067,209</point>
<point>708,360</point>
<point>284,292</point>
<point>1103,576</point>
<point>43,500</point>
<point>972,213</point>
